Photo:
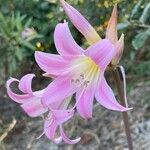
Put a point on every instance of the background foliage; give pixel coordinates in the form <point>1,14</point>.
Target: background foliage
<point>43,15</point>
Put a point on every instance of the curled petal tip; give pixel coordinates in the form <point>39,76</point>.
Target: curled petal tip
<point>58,140</point>
<point>125,109</point>
<point>66,139</point>
<point>26,83</point>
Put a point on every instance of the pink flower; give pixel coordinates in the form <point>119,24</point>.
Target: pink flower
<point>75,71</point>
<point>78,71</point>
<point>54,121</point>
<point>31,103</point>
<point>91,35</point>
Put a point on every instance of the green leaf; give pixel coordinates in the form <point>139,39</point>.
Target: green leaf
<point>27,44</point>
<point>139,40</point>
<point>27,24</point>
<point>123,25</point>
<point>136,8</point>
<point>19,54</point>
<point>145,14</point>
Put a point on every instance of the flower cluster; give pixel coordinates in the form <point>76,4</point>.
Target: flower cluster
<point>74,71</point>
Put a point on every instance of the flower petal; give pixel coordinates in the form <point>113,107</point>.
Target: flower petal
<point>85,102</point>
<point>57,91</point>
<point>50,128</point>
<point>62,116</point>
<point>50,63</point>
<point>81,23</point>
<point>64,42</point>
<point>19,98</point>
<point>66,139</point>
<point>119,46</point>
<point>34,107</point>
<point>101,52</point>
<point>111,32</point>
<point>105,96</point>
<point>25,83</point>
<point>58,140</point>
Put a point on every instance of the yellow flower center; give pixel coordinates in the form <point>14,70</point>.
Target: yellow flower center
<point>86,71</point>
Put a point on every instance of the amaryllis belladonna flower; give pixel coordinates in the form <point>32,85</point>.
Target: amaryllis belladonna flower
<point>78,71</point>
<point>75,71</point>
<point>91,35</point>
<point>31,104</point>
<point>30,101</point>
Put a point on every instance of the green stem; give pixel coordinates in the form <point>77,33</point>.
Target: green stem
<point>121,96</point>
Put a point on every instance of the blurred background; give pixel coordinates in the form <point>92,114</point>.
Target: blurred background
<point>37,19</point>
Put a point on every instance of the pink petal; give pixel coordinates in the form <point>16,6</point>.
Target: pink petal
<point>111,32</point>
<point>57,117</point>
<point>25,83</point>
<point>50,63</point>
<point>34,107</point>
<point>85,102</point>
<point>19,98</point>
<point>62,116</point>
<point>81,23</point>
<point>101,52</point>
<point>64,42</point>
<point>57,91</point>
<point>66,139</point>
<point>105,96</point>
<point>58,140</point>
<point>50,128</point>
<point>119,46</point>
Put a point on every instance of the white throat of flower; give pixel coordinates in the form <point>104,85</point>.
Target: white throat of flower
<point>85,73</point>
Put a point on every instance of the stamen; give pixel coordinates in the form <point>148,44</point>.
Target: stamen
<point>82,76</point>
<point>72,80</point>
<point>77,81</point>
<point>88,74</point>
<point>85,84</point>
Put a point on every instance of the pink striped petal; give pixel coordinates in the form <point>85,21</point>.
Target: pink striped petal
<point>19,98</point>
<point>66,139</point>
<point>34,108</point>
<point>56,118</point>
<point>81,23</point>
<point>105,96</point>
<point>119,46</point>
<point>111,32</point>
<point>57,91</point>
<point>50,63</point>
<point>101,52</point>
<point>85,102</point>
<point>50,128</point>
<point>64,42</point>
<point>25,83</point>
<point>62,116</point>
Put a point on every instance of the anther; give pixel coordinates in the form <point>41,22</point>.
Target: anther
<point>77,81</point>
<point>86,83</point>
<point>82,76</point>
<point>72,80</point>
